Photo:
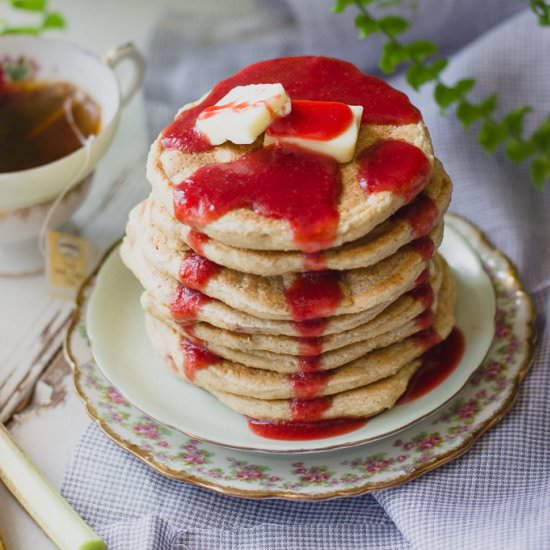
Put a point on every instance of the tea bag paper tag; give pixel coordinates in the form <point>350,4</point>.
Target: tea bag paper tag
<point>69,260</point>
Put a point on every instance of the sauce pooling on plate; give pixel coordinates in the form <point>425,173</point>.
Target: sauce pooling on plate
<point>306,422</point>
<point>438,363</point>
<point>302,431</point>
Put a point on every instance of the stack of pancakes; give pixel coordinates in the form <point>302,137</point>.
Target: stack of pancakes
<point>277,333</point>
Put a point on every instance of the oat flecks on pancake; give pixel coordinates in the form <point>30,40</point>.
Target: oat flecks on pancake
<point>275,302</point>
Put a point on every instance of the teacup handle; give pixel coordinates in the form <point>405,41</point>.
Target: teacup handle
<point>127,52</point>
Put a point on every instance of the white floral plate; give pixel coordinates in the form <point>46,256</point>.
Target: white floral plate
<point>125,356</point>
<point>383,463</point>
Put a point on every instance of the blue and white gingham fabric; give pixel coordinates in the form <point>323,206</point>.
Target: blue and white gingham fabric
<point>497,496</point>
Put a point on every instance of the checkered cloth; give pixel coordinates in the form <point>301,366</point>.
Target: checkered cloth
<point>497,496</point>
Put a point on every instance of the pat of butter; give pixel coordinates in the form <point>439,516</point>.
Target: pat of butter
<point>243,113</point>
<point>340,146</point>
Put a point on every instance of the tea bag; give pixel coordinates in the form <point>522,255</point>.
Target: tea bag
<point>69,258</point>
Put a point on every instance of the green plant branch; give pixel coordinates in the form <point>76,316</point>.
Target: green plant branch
<point>541,9</point>
<point>48,19</point>
<point>423,67</point>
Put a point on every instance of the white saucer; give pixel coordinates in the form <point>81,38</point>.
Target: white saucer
<point>115,326</point>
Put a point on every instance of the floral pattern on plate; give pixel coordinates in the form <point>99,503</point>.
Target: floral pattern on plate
<point>417,449</point>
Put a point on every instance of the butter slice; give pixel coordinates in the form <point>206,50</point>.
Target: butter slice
<point>243,113</point>
<point>340,147</point>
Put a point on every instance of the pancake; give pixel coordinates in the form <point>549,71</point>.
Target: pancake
<point>362,402</point>
<point>277,297</point>
<point>393,317</point>
<point>214,312</point>
<point>179,156</point>
<point>358,213</point>
<point>213,373</point>
<point>409,223</point>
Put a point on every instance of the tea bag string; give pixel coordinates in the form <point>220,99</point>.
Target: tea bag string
<point>86,143</point>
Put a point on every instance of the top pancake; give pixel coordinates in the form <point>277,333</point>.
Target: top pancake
<point>358,211</point>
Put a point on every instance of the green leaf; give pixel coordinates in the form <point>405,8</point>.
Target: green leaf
<point>447,95</point>
<point>366,25</point>
<point>491,135</point>
<point>462,87</point>
<point>443,95</point>
<point>488,105</point>
<point>541,136</point>
<point>53,20</point>
<point>417,75</point>
<point>392,55</point>
<point>437,67</point>
<point>542,10</point>
<point>386,4</point>
<point>21,30</point>
<point>540,170</point>
<point>519,151</point>
<point>421,49</point>
<point>514,121</point>
<point>468,113</point>
<point>393,25</point>
<point>341,5</point>
<point>30,5</point>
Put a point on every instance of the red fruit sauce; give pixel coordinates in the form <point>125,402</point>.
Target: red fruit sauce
<point>425,319</point>
<point>437,364</point>
<point>310,346</point>
<point>197,241</point>
<point>235,107</point>
<point>195,271</point>
<point>427,338</point>
<point>315,261</point>
<point>302,431</point>
<point>316,120</point>
<point>313,295</point>
<point>311,327</point>
<point>307,385</point>
<point>424,277</point>
<point>421,214</point>
<point>396,166</point>
<point>425,247</point>
<point>424,293</point>
<point>310,363</point>
<point>313,78</point>
<point>281,182</point>
<point>186,304</point>
<point>308,410</point>
<point>195,357</point>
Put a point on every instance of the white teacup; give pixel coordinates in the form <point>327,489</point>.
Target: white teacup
<point>26,194</point>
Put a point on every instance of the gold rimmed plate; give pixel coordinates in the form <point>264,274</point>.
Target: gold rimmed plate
<point>481,400</point>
